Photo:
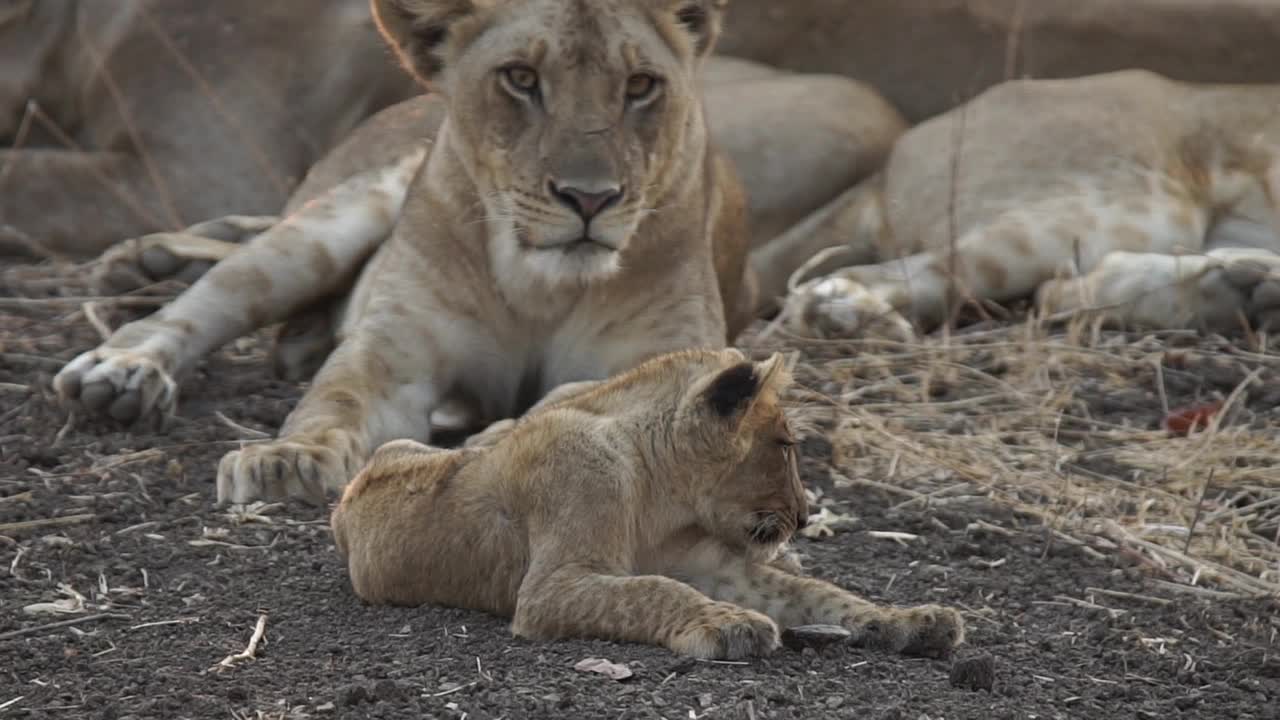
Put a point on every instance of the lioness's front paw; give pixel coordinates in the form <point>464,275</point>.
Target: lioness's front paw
<point>839,308</point>
<point>297,467</point>
<point>928,630</point>
<point>728,632</point>
<point>126,384</point>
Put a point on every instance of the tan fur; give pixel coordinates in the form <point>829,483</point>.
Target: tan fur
<point>1160,196</point>
<point>472,304</point>
<point>648,508</point>
<point>928,56</point>
<point>124,118</point>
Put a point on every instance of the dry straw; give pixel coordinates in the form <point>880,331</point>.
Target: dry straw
<point>1064,427</point>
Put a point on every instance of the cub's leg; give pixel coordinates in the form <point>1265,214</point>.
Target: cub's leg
<point>579,601</point>
<point>303,258</point>
<point>1005,258</point>
<point>184,255</point>
<point>851,226</point>
<point>791,599</point>
<point>1220,291</point>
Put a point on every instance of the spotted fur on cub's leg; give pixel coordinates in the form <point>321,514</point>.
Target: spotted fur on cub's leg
<point>133,373</point>
<point>792,599</point>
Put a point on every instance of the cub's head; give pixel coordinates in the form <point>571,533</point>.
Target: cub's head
<point>734,431</point>
<point>574,118</point>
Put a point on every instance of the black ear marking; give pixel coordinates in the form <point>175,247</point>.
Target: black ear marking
<point>732,389</point>
<point>693,17</point>
<point>697,20</point>
<point>423,44</point>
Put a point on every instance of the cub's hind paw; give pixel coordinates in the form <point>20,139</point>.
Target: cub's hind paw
<point>124,384</point>
<point>839,308</point>
<point>727,632</point>
<point>294,467</point>
<point>924,630</point>
<point>183,256</point>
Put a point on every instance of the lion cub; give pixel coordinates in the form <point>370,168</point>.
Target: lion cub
<point>651,507</point>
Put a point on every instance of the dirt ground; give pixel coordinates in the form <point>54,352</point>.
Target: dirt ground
<point>155,587</point>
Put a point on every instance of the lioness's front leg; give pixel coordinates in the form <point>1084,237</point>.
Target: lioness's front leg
<point>308,255</point>
<point>578,601</point>
<point>792,600</point>
<point>358,401</point>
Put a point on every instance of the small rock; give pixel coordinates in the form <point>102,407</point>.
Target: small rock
<point>352,695</point>
<point>387,690</point>
<point>976,672</point>
<point>327,707</point>
<point>813,636</point>
<point>835,701</point>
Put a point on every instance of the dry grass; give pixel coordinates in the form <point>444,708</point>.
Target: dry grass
<point>1065,427</point>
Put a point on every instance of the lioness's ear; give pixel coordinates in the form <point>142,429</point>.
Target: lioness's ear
<point>702,19</point>
<point>418,31</point>
<point>732,392</point>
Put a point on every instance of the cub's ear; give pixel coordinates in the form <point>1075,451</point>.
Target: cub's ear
<point>420,30</point>
<point>732,392</point>
<point>702,19</point>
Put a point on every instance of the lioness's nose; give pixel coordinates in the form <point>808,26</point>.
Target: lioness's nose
<point>802,519</point>
<point>587,204</point>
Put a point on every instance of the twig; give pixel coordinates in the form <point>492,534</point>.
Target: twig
<point>250,652</point>
<point>61,624</point>
<point>179,621</point>
<point>91,313</point>
<point>1195,520</point>
<point>1129,596</point>
<point>122,300</point>
<point>242,429</point>
<point>15,527</point>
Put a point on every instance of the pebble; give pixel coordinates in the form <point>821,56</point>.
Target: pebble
<point>976,672</point>
<point>813,636</point>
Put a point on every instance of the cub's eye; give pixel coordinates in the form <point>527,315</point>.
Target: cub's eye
<point>786,443</point>
<point>640,86</point>
<point>521,78</point>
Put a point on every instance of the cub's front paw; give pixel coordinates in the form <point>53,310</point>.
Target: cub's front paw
<point>293,467</point>
<point>925,630</point>
<point>128,385</point>
<point>728,632</point>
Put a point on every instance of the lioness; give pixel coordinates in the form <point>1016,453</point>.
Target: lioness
<point>570,219</point>
<point>123,118</point>
<point>649,508</point>
<point>1149,200</point>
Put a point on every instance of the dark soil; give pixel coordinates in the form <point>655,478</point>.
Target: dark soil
<point>183,585</point>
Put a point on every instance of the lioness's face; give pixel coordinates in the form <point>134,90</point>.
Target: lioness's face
<point>574,117</point>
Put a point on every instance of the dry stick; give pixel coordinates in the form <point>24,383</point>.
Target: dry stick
<point>61,624</point>
<point>91,313</point>
<point>1195,520</point>
<point>122,300</point>
<point>1129,596</point>
<point>14,527</point>
<point>251,651</point>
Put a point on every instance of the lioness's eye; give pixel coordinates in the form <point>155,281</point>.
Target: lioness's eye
<point>522,78</point>
<point>640,86</point>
